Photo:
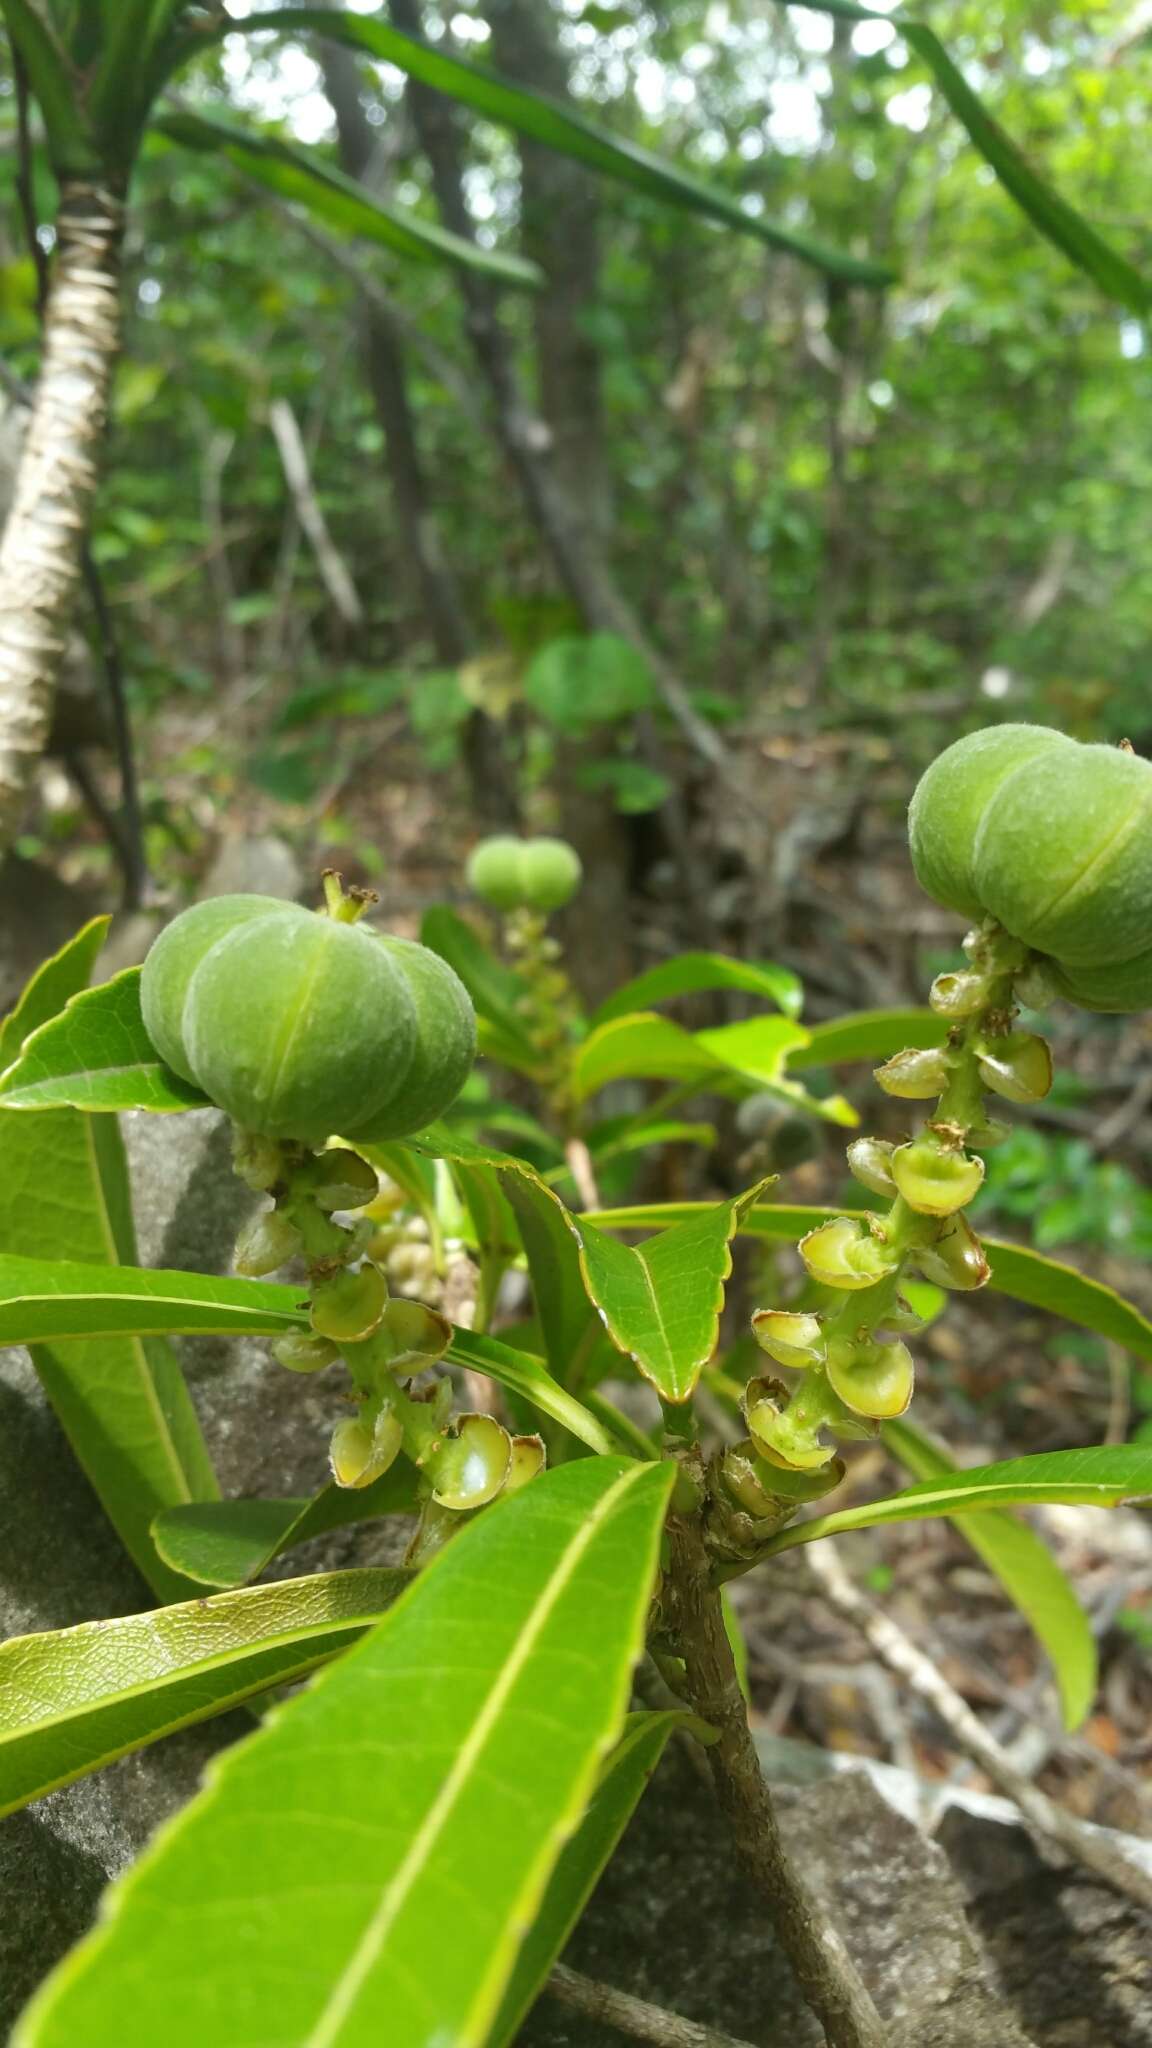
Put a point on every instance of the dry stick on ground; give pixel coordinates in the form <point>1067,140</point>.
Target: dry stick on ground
<point>298,477</point>
<point>634,2016</point>
<point>824,1970</point>
<point>1086,1845</point>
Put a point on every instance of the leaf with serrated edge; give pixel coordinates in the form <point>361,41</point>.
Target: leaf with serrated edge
<point>230,1542</point>
<point>1027,1571</point>
<point>661,1300</point>
<point>97,1056</point>
<point>1095,1478</point>
<point>75,1698</point>
<point>621,1787</point>
<point>122,1403</point>
<point>1018,1272</point>
<point>318,1881</point>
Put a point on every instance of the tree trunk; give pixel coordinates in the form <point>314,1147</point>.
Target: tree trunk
<point>41,550</point>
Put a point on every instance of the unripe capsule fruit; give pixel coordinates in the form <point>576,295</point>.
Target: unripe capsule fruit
<point>525,874</point>
<point>299,1025</point>
<point>1053,840</point>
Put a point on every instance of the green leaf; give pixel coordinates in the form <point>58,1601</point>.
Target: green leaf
<point>51,1298</point>
<point>122,1403</point>
<point>622,1784</point>
<point>494,989</point>
<point>688,973</point>
<point>50,76</point>
<point>319,1880</point>
<point>51,987</point>
<point>1056,220</point>
<point>1027,1571</point>
<point>75,1698</point>
<point>547,121</point>
<point>1021,1274</point>
<point>230,1542</point>
<point>1096,1478</point>
<point>867,1035</point>
<point>661,1300</point>
<point>741,1059</point>
<point>340,202</point>
<point>523,1374</point>
<point>615,1136</point>
<point>587,680</point>
<point>97,1056</point>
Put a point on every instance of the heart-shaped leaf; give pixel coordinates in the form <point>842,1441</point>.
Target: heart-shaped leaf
<point>96,1055</point>
<point>75,1698</point>
<point>313,1891</point>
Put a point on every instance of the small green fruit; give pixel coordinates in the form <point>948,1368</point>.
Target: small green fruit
<point>524,874</point>
<point>1017,1066</point>
<point>360,1453</point>
<point>300,1025</point>
<point>529,1457</point>
<point>935,1179</point>
<point>844,1254</point>
<point>265,1244</point>
<point>874,1380</point>
<point>915,1075</point>
<point>303,1353</point>
<point>340,1179</point>
<point>870,1162</point>
<point>347,1307</point>
<point>955,1258</point>
<point>788,1336</point>
<point>474,1465</point>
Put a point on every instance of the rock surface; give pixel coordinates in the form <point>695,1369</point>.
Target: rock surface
<point>672,1920</point>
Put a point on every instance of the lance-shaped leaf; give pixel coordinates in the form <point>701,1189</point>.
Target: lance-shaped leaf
<point>622,1784</point>
<point>230,1542</point>
<point>1048,211</point>
<point>552,123</point>
<point>307,180</point>
<point>75,1698</point>
<point>867,1035</point>
<point>1021,1274</point>
<point>689,973</point>
<point>661,1300</point>
<point>366,1865</point>
<point>1096,1478</point>
<point>522,1374</point>
<point>52,1298</point>
<point>96,1055</point>
<point>122,1402</point>
<point>1027,1571</point>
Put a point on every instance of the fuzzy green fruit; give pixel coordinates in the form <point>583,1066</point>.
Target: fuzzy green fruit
<point>299,1025</point>
<point>949,802</point>
<point>525,874</point>
<point>1053,840</point>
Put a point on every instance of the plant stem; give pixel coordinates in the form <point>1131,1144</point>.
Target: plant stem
<point>634,2016</point>
<point>824,1970</point>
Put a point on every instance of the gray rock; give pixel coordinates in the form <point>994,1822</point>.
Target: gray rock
<point>262,866</point>
<point>38,912</point>
<point>673,1921</point>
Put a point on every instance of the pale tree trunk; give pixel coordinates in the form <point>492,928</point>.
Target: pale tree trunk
<point>41,551</point>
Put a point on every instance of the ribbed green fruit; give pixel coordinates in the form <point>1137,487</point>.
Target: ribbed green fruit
<point>1052,839</point>
<point>525,874</point>
<point>300,1026</point>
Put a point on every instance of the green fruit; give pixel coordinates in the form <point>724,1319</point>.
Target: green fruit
<point>445,1042</point>
<point>949,802</point>
<point>493,873</point>
<point>1053,840</point>
<point>299,1025</point>
<point>524,874</point>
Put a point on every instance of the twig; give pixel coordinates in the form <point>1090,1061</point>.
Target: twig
<point>298,477</point>
<point>824,1970</point>
<point>583,1172</point>
<point>634,2016</point>
<point>25,193</point>
<point>129,839</point>
<point>1085,1844</point>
